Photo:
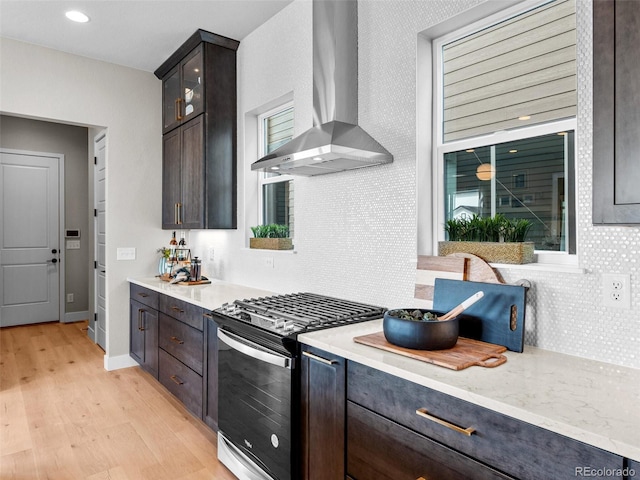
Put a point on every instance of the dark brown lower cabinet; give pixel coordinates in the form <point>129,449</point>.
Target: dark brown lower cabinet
<point>323,415</point>
<point>143,329</point>
<point>383,450</point>
<point>211,384</point>
<point>170,339</point>
<point>503,443</point>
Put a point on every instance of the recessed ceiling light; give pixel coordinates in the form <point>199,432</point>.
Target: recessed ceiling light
<point>470,150</point>
<point>76,16</point>
<point>524,117</point>
<point>317,159</point>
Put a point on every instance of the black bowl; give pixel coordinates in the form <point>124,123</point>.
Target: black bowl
<point>420,335</point>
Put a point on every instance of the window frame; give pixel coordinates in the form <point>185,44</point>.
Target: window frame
<point>263,177</point>
<point>439,147</point>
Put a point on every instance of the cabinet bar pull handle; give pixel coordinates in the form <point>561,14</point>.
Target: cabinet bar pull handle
<point>179,206</point>
<point>208,315</point>
<point>465,431</point>
<point>177,340</point>
<point>176,380</point>
<point>176,309</point>
<point>178,109</point>
<point>320,359</point>
<point>141,320</point>
<point>143,295</point>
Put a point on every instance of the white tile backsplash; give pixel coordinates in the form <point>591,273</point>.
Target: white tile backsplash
<point>356,231</point>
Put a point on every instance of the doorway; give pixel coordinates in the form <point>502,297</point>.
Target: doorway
<point>30,244</point>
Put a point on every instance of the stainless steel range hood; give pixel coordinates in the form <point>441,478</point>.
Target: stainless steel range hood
<point>336,142</point>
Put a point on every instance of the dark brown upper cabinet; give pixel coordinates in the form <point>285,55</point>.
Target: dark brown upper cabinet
<point>199,122</point>
<point>616,112</point>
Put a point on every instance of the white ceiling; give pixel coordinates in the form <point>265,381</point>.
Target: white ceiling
<point>136,33</point>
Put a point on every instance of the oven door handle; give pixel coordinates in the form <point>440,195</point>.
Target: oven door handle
<point>249,348</point>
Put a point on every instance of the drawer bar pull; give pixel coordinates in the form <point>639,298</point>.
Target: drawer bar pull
<point>208,315</point>
<point>465,431</point>
<point>320,359</point>
<point>176,380</point>
<point>176,309</point>
<point>143,295</point>
<point>177,340</point>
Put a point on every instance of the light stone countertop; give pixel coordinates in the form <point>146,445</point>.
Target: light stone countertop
<point>210,296</point>
<point>593,402</point>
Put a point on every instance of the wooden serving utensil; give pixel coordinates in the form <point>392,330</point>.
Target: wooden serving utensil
<point>462,307</point>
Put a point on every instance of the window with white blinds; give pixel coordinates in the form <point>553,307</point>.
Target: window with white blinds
<point>521,71</point>
<point>276,191</point>
<point>278,129</point>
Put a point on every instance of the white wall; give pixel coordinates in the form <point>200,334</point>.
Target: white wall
<point>46,84</point>
<point>356,231</point>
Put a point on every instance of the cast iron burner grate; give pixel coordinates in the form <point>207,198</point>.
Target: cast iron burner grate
<point>311,309</point>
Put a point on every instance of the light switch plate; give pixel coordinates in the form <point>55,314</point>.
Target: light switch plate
<point>73,244</point>
<point>126,253</point>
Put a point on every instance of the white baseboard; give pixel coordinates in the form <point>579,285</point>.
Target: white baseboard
<point>121,361</point>
<point>70,317</point>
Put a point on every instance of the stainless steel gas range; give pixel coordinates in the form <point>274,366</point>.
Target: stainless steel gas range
<point>259,380</point>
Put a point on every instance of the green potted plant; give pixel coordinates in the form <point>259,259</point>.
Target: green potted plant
<point>271,237</point>
<point>494,239</point>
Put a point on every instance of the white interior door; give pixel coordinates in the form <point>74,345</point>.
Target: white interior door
<point>100,176</point>
<point>29,237</point>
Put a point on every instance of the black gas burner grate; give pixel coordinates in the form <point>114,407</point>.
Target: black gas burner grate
<point>311,309</point>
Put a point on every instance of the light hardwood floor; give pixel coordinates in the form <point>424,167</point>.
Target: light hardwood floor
<point>64,417</point>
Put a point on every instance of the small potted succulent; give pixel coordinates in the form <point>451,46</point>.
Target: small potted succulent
<point>271,237</point>
<point>494,239</point>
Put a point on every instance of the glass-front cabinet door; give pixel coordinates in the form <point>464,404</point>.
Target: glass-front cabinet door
<point>192,85</point>
<point>171,103</point>
<point>183,91</point>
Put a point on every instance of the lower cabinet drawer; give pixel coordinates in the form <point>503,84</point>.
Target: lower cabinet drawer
<point>143,295</point>
<point>182,341</point>
<point>380,449</point>
<point>184,311</point>
<point>512,446</point>
<point>181,381</point>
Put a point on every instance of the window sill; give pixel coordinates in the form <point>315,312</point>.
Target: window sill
<point>540,267</point>
<point>268,250</point>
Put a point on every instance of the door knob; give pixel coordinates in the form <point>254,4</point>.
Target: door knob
<point>54,251</point>
<point>54,260</point>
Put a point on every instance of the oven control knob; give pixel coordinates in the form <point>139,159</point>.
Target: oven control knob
<point>278,323</point>
<point>289,325</point>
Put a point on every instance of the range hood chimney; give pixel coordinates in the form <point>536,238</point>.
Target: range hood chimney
<point>336,142</point>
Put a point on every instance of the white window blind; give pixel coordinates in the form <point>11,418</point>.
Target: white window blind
<point>279,129</point>
<point>522,67</point>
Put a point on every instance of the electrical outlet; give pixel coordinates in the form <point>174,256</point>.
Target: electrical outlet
<point>69,297</point>
<point>616,290</point>
<point>268,262</point>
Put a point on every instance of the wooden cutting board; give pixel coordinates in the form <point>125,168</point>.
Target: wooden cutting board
<point>464,354</point>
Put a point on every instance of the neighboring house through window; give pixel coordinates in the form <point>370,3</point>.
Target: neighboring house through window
<point>275,128</point>
<point>504,122</point>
